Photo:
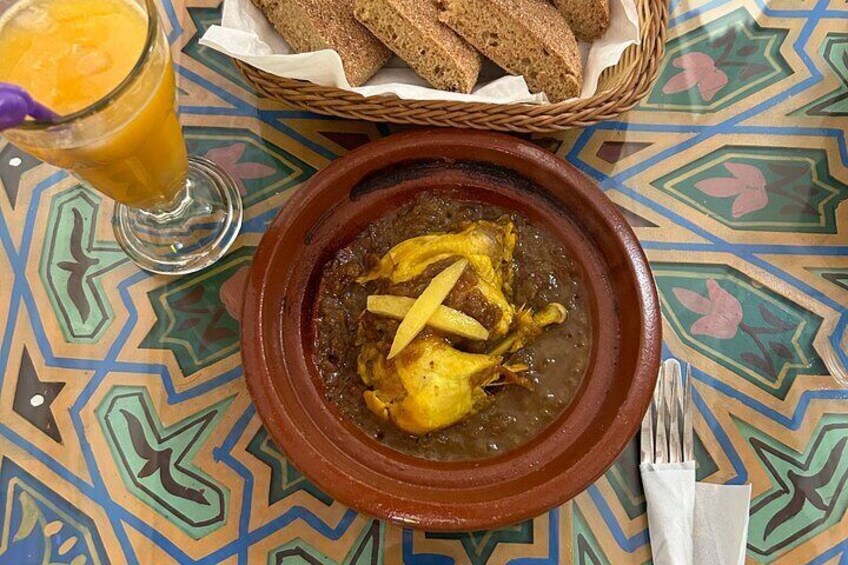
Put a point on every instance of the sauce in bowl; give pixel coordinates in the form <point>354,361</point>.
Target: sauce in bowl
<point>543,273</point>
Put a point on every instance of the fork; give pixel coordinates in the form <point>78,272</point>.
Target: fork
<point>689,523</point>
<point>668,467</point>
<point>666,435</point>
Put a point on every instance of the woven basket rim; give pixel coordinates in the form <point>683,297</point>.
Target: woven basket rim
<point>635,74</point>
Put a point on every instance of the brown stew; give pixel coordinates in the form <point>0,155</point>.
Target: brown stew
<point>544,273</point>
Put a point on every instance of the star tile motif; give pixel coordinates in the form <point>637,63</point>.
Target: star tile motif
<point>14,163</point>
<point>34,399</point>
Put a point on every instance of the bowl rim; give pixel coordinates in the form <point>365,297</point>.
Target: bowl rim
<point>486,514</point>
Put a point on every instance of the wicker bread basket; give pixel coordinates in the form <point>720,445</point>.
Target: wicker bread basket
<point>619,89</point>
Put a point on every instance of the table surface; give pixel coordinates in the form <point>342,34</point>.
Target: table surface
<point>127,432</point>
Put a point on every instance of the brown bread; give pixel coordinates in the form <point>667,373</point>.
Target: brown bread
<point>411,28</point>
<point>525,37</point>
<point>589,19</point>
<point>312,25</point>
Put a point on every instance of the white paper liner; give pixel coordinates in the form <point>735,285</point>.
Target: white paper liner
<point>245,34</point>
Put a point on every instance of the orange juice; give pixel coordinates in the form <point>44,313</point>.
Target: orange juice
<point>101,64</point>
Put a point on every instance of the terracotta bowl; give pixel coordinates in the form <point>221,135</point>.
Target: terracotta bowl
<point>450,496</point>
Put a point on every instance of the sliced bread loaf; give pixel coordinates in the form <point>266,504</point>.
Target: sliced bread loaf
<point>411,28</point>
<point>312,25</point>
<point>525,37</point>
<point>589,19</point>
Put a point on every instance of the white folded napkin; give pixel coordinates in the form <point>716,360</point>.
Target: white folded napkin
<point>694,523</point>
<point>721,523</point>
<point>670,494</point>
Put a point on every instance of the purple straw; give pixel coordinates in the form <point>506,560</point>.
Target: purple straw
<point>16,104</point>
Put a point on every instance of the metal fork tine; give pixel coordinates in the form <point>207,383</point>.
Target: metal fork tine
<point>647,437</point>
<point>661,445</point>
<point>674,399</point>
<point>688,439</point>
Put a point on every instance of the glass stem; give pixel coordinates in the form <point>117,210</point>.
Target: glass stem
<point>176,207</point>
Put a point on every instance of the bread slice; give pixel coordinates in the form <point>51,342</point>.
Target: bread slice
<point>411,28</point>
<point>589,19</point>
<point>312,25</point>
<point>525,37</point>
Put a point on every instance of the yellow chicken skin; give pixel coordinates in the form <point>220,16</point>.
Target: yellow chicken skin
<point>487,245</point>
<point>430,385</point>
<point>529,326</point>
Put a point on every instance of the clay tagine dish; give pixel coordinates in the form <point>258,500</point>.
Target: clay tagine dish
<point>451,330</point>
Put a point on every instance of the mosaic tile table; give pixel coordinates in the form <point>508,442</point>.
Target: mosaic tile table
<point>127,435</point>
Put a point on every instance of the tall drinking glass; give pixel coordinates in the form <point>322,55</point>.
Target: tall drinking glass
<point>105,67</point>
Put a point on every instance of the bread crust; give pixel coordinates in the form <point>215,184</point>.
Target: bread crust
<point>524,37</point>
<point>312,25</point>
<point>411,28</point>
<point>589,19</point>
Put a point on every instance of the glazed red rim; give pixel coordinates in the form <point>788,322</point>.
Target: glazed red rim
<point>358,471</point>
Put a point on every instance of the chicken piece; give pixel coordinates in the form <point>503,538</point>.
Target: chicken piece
<point>488,246</point>
<point>429,385</point>
<point>528,326</point>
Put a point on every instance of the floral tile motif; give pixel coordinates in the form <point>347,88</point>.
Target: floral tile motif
<point>259,168</point>
<point>285,479</point>
<point>480,545</point>
<point>761,188</point>
<point>586,546</point>
<point>836,276</point>
<point>220,64</point>
<point>835,53</point>
<point>624,479</point>
<point>197,315</point>
<point>761,336</point>
<point>366,550</point>
<point>717,65</point>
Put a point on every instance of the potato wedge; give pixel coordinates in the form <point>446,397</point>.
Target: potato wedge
<point>425,305</point>
<point>443,319</point>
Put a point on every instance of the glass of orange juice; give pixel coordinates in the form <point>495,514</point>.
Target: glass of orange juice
<point>104,67</point>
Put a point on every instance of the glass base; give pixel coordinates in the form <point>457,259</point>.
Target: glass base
<point>191,232</point>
